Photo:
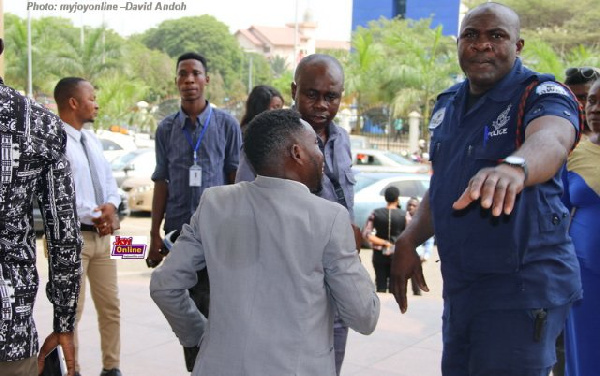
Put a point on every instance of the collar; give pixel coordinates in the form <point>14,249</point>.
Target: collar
<point>278,183</point>
<point>72,131</point>
<point>181,116</point>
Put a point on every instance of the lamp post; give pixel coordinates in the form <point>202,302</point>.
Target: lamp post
<point>29,65</point>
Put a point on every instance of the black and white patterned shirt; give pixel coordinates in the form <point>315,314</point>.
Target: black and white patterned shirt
<point>33,166</point>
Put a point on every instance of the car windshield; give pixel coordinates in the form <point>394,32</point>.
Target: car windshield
<point>363,181</point>
<point>399,159</point>
<point>120,163</point>
<point>110,145</point>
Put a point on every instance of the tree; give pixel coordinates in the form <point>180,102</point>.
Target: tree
<point>152,67</point>
<point>400,65</point>
<point>88,54</point>
<point>47,34</point>
<point>278,66</point>
<point>117,97</point>
<point>201,34</point>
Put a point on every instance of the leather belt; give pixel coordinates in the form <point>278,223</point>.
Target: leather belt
<point>85,227</point>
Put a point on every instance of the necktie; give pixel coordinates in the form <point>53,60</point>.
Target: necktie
<point>98,195</point>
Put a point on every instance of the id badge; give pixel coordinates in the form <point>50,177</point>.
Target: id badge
<point>195,176</point>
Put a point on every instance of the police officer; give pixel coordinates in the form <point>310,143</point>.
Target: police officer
<point>498,142</point>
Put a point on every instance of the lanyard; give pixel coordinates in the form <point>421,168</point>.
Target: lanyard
<point>189,136</point>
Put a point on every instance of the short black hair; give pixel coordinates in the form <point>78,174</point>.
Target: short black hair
<point>391,194</point>
<point>192,56</point>
<point>258,101</point>
<point>317,58</point>
<point>581,75</point>
<point>268,135</point>
<point>65,89</point>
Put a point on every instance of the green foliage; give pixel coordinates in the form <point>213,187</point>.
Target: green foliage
<point>400,64</point>
<point>117,97</point>
<point>152,67</point>
<point>278,66</point>
<point>201,34</point>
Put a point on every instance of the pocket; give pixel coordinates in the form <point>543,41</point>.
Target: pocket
<point>493,245</point>
<point>350,176</point>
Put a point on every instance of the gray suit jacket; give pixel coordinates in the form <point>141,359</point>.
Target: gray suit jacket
<point>280,261</point>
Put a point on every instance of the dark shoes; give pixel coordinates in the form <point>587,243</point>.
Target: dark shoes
<point>111,372</point>
<point>106,372</point>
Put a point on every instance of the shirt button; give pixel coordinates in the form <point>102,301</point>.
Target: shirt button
<point>567,113</point>
<point>555,219</point>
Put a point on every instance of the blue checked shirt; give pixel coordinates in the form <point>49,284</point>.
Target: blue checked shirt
<point>218,156</point>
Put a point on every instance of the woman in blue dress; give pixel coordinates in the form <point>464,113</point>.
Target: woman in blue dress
<point>582,192</point>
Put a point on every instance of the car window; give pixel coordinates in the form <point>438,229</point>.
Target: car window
<point>110,145</point>
<point>121,162</point>
<point>363,181</point>
<point>408,188</point>
<point>363,159</point>
<point>399,159</point>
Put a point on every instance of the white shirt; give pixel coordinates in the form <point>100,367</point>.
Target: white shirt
<point>84,190</point>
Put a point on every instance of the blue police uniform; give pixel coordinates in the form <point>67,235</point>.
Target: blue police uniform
<point>521,261</point>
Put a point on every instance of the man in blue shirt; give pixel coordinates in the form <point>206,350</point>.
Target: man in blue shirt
<point>196,148</point>
<point>498,142</point>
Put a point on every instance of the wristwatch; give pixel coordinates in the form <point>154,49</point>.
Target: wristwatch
<point>517,162</point>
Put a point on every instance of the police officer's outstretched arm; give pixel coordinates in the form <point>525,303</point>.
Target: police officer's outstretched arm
<point>406,263</point>
<point>548,140</point>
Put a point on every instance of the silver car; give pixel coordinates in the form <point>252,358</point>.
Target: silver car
<point>374,160</point>
<point>370,187</point>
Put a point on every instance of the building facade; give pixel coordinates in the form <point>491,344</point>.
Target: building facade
<point>442,12</point>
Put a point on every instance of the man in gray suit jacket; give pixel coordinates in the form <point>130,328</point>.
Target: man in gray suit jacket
<point>281,262</point>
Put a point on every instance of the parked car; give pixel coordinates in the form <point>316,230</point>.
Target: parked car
<point>370,187</point>
<point>115,145</point>
<point>359,142</point>
<point>139,192</point>
<point>139,163</point>
<point>38,222</point>
<point>374,160</point>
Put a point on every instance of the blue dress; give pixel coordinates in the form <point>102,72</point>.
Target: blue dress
<point>582,332</point>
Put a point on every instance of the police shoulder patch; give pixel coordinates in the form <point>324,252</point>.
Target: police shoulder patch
<point>437,118</point>
<point>551,88</point>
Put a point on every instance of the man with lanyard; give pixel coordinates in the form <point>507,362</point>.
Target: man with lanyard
<point>317,91</point>
<point>196,148</point>
<point>499,140</point>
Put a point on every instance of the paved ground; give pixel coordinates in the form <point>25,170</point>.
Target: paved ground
<point>402,345</point>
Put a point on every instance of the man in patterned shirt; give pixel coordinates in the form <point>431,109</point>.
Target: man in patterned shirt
<point>33,163</point>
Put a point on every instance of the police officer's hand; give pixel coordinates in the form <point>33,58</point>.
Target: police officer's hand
<point>406,264</point>
<point>67,342</point>
<point>496,187</point>
<point>154,256</point>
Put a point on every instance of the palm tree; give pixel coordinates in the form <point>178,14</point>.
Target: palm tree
<point>90,58</point>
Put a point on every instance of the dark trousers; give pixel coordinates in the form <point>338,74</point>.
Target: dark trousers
<point>24,367</point>
<point>509,342</point>
<point>383,275</point>
<point>200,294</point>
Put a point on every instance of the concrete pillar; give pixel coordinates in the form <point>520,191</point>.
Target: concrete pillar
<point>414,121</point>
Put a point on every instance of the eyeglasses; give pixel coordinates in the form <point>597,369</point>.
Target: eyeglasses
<point>585,72</point>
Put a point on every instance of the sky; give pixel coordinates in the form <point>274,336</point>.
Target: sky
<point>333,16</point>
